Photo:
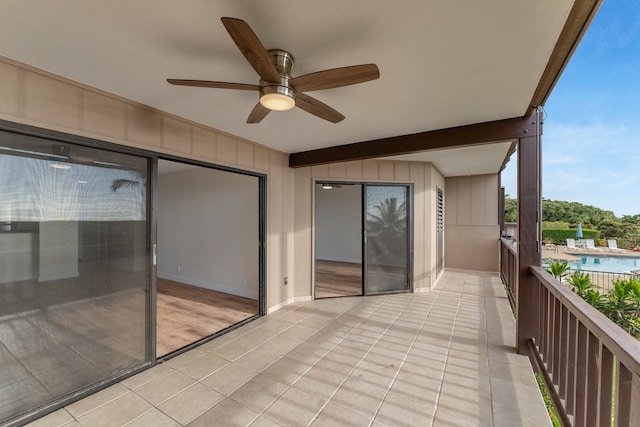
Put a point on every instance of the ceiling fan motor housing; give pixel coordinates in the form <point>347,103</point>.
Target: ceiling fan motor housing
<point>283,62</point>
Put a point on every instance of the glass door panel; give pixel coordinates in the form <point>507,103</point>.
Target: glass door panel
<point>208,273</point>
<point>387,257</point>
<point>338,250</point>
<point>74,269</point>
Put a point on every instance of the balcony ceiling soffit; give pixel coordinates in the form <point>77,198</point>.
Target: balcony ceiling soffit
<point>442,64</point>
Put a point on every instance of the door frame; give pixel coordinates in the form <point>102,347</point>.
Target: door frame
<point>262,246</point>
<point>410,224</point>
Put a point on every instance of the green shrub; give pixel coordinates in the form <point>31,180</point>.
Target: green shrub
<point>558,269</point>
<point>559,236</point>
<point>551,410</point>
<point>555,224</point>
<point>581,283</point>
<point>621,304</point>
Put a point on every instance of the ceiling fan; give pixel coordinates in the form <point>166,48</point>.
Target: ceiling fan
<point>278,90</point>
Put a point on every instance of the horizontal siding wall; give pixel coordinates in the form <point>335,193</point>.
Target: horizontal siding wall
<point>425,179</point>
<point>32,97</point>
<point>471,222</point>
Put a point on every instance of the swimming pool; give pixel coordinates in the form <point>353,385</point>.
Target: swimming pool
<point>611,264</point>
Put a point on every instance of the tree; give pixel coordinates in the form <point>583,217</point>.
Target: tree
<point>510,209</point>
<point>576,213</point>
<point>631,219</point>
<point>123,183</point>
<point>390,219</point>
<point>561,214</point>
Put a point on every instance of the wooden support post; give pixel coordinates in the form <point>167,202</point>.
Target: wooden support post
<point>501,202</point>
<point>529,233</point>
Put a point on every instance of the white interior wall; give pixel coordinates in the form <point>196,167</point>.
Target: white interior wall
<point>16,257</point>
<point>339,224</point>
<point>208,230</point>
<point>58,254</point>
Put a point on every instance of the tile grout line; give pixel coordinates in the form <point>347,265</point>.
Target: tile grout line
<point>446,360</point>
<point>424,321</point>
<point>383,300</point>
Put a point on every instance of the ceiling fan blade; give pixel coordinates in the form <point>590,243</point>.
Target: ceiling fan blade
<point>336,77</point>
<point>258,113</point>
<point>251,48</point>
<point>216,85</point>
<point>317,108</point>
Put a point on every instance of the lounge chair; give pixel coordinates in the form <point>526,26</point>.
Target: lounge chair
<point>613,245</point>
<point>591,245</point>
<point>571,244</point>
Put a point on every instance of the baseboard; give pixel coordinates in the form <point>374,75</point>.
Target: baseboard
<point>208,285</point>
<point>437,281</point>
<point>287,302</point>
<point>59,276</point>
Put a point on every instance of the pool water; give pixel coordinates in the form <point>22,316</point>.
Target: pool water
<point>611,264</point>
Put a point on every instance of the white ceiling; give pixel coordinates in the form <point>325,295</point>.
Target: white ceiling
<point>472,160</point>
<point>442,63</point>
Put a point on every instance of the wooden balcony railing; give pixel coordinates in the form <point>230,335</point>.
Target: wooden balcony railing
<point>591,365</point>
<point>509,269</point>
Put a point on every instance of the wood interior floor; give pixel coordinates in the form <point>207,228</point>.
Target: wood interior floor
<point>338,279</point>
<point>187,313</point>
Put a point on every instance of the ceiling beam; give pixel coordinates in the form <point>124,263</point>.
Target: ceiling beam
<point>475,134</point>
<point>580,16</point>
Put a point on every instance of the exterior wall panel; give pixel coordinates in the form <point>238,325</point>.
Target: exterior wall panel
<point>144,127</point>
<point>303,220</point>
<point>418,174</point>
<point>337,170</point>
<point>471,234</point>
<point>204,144</point>
<point>245,155</point>
<point>354,170</point>
<point>176,136</point>
<point>9,89</point>
<point>103,115</point>
<point>52,101</point>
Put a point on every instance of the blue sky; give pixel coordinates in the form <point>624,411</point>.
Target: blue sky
<point>591,140</point>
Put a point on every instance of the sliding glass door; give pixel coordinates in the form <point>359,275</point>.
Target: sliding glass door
<point>74,270</point>
<point>362,239</point>
<point>209,273</point>
<point>387,238</point>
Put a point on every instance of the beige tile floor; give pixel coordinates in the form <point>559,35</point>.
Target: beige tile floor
<point>439,358</point>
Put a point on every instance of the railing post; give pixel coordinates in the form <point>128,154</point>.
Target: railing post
<point>529,214</point>
<point>501,197</point>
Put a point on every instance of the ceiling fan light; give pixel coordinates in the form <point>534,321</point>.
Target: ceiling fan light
<point>277,102</point>
<point>277,97</point>
<point>327,186</point>
<point>59,166</point>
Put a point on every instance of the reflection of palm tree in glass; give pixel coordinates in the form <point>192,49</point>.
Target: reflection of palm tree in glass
<point>123,183</point>
<point>388,219</point>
